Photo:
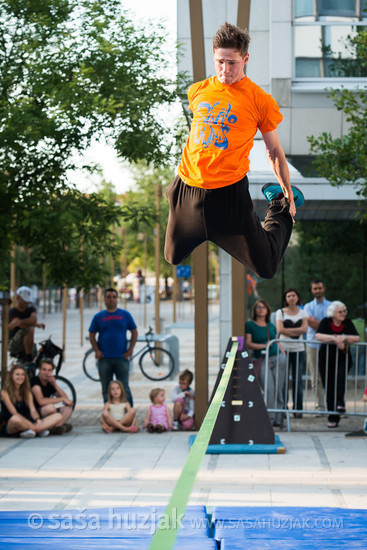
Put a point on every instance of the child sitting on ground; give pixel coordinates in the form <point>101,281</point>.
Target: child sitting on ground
<point>183,398</point>
<point>118,414</point>
<point>158,418</point>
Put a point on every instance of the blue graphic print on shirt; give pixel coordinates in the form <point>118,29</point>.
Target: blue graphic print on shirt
<point>213,128</point>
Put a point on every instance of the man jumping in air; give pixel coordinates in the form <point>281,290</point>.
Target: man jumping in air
<point>209,199</point>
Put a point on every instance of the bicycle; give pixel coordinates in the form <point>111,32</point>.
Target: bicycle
<point>49,350</point>
<point>155,363</point>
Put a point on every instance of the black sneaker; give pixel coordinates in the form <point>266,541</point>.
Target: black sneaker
<point>57,430</point>
<point>358,433</point>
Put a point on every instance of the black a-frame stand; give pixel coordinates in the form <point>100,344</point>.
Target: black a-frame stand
<point>242,418</point>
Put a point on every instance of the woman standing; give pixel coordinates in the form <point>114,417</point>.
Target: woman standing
<point>258,331</point>
<point>335,362</point>
<point>18,413</point>
<point>291,323</point>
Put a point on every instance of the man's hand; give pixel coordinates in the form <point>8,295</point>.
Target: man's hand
<point>128,354</point>
<point>93,341</point>
<point>98,354</point>
<point>292,208</point>
<point>41,325</point>
<point>68,402</point>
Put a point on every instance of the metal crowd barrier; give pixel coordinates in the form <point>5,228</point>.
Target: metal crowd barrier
<point>276,384</point>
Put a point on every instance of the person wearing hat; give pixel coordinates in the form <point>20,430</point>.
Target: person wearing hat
<point>22,322</point>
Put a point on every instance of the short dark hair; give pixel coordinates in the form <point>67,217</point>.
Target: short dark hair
<point>292,290</point>
<point>186,375</point>
<point>110,289</point>
<point>48,361</point>
<point>230,36</point>
<point>317,282</point>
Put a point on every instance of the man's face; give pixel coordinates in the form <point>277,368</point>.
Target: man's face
<point>318,290</point>
<point>229,65</point>
<point>45,372</point>
<point>110,300</point>
<point>20,303</point>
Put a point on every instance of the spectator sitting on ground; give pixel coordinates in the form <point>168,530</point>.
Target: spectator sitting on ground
<point>22,322</point>
<point>183,398</point>
<point>18,412</point>
<point>118,414</point>
<point>158,418</point>
<point>50,398</point>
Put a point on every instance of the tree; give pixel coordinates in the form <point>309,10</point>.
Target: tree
<point>143,198</point>
<point>71,233</point>
<point>333,252</point>
<point>344,159</point>
<point>71,70</point>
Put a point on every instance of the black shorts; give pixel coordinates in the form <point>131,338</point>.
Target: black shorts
<point>226,217</point>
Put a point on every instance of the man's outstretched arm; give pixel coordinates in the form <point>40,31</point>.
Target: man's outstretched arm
<point>279,165</point>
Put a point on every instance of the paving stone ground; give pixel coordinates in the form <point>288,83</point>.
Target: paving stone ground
<point>88,468</point>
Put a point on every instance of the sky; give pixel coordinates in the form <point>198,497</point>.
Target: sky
<point>114,171</point>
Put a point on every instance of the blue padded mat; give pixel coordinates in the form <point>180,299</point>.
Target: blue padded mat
<point>286,528</point>
<point>99,544</point>
<point>281,544</point>
<point>233,449</point>
<point>115,527</point>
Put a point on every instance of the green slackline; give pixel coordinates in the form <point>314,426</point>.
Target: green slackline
<point>165,536</point>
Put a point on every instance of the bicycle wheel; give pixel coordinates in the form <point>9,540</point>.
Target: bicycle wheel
<point>157,363</point>
<point>67,387</point>
<point>90,367</point>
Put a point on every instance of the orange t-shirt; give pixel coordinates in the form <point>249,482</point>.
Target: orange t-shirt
<point>226,119</point>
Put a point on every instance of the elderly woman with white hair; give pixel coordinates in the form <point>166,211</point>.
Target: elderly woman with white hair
<point>336,332</point>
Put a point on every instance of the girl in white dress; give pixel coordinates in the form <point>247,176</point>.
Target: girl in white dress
<point>118,415</point>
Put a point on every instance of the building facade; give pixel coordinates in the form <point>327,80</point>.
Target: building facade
<point>299,49</point>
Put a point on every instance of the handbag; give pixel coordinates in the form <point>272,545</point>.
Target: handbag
<point>257,363</point>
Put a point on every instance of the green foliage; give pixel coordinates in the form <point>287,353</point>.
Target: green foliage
<point>27,270</point>
<point>70,71</point>
<point>344,159</point>
<point>352,62</point>
<point>71,233</point>
<point>331,251</point>
<point>144,217</point>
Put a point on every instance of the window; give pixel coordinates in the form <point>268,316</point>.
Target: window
<point>326,36</point>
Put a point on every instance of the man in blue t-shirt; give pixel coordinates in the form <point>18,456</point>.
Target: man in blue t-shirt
<point>111,349</point>
<point>316,311</point>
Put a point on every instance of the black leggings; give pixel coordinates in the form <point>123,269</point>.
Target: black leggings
<point>226,217</point>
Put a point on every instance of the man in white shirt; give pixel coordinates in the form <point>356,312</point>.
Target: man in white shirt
<point>316,310</point>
